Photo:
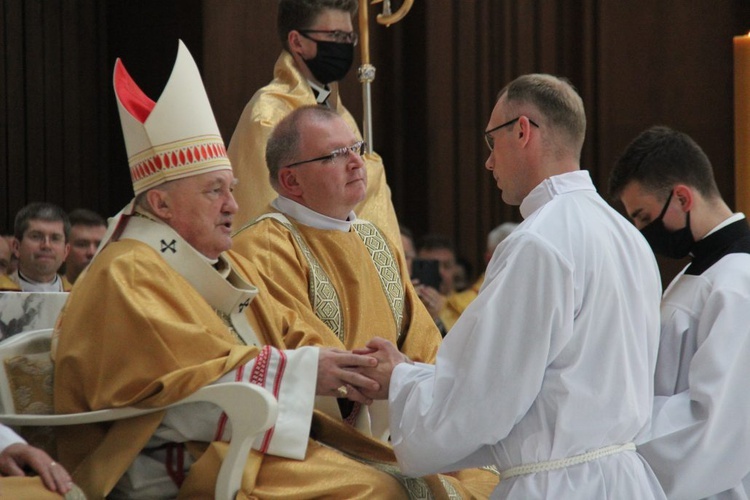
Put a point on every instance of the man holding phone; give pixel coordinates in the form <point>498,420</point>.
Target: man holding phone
<point>434,292</point>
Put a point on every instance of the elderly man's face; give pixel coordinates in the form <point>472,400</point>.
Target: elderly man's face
<point>42,250</point>
<point>332,187</point>
<point>201,208</point>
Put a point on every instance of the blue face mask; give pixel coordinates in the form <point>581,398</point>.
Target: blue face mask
<point>672,244</point>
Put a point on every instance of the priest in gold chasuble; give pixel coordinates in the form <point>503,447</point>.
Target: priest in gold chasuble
<point>318,40</point>
<point>314,254</point>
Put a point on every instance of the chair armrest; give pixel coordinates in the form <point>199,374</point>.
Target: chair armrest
<point>250,408</point>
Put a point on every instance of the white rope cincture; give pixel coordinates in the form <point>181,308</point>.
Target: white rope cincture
<point>561,463</point>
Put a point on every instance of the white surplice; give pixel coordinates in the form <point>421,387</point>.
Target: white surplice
<point>554,358</point>
<point>699,445</point>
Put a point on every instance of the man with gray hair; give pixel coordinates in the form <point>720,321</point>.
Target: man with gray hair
<point>548,375</point>
<point>166,308</point>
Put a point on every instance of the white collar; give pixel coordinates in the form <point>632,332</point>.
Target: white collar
<point>580,180</point>
<point>322,93</point>
<point>310,217</point>
<point>29,285</point>
<point>727,221</point>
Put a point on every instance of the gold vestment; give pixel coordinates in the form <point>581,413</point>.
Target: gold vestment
<point>366,312</point>
<point>163,342</point>
<point>288,91</point>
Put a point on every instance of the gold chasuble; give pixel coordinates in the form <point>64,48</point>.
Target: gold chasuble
<point>347,280</point>
<point>288,91</point>
<point>137,332</point>
<point>457,303</point>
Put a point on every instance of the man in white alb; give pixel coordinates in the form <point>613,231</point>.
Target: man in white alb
<point>548,374</point>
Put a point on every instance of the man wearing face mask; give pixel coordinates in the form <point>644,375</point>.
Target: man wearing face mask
<point>318,39</point>
<point>699,442</point>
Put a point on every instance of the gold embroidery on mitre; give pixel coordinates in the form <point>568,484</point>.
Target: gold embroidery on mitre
<point>387,267</point>
<point>176,159</point>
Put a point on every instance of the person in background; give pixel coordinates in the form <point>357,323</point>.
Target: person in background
<point>87,229</point>
<point>548,374</point>
<point>457,303</point>
<point>13,265</point>
<point>462,275</point>
<point>41,232</point>
<point>5,254</point>
<point>318,41</point>
<point>407,243</point>
<point>699,443</point>
<point>439,248</point>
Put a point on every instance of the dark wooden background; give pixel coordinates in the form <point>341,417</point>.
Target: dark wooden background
<point>636,63</point>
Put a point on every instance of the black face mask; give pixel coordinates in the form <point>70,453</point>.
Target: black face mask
<point>672,244</point>
<point>332,62</point>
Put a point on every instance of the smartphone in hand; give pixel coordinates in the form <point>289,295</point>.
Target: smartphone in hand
<point>427,271</point>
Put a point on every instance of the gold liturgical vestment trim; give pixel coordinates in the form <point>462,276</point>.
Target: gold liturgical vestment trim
<point>323,295</point>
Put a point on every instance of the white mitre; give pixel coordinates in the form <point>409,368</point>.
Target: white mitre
<point>172,138</point>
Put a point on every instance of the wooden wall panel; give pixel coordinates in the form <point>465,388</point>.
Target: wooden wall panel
<point>12,151</point>
<point>439,70</point>
<point>52,125</point>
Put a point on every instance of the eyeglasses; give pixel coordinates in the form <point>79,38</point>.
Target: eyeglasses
<point>337,36</point>
<point>357,147</point>
<point>39,238</point>
<point>488,133</point>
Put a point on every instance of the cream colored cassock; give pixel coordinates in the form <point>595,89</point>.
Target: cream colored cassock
<point>554,358</point>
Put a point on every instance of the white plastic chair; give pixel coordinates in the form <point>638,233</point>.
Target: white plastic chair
<point>250,408</point>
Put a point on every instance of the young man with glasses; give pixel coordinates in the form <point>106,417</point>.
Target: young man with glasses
<point>699,444</point>
<point>548,374</point>
<point>41,244</point>
<point>315,254</point>
<point>318,39</point>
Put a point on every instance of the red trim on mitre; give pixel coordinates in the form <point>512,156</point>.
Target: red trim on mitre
<point>138,104</point>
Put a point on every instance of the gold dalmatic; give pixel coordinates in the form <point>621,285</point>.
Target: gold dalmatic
<point>323,296</point>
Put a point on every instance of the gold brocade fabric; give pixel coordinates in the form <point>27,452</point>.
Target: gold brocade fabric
<point>365,308</point>
<point>7,284</point>
<point>340,463</point>
<point>366,312</point>
<point>32,488</point>
<point>154,340</point>
<point>386,265</point>
<point>288,91</point>
<point>458,302</point>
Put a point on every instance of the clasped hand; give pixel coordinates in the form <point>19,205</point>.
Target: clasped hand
<point>365,373</point>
